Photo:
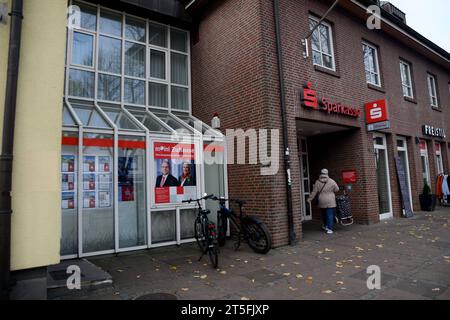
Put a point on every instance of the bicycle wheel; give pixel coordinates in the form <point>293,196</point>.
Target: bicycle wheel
<point>257,235</point>
<point>222,227</point>
<point>199,235</point>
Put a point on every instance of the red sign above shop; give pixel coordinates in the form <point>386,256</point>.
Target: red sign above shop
<point>376,112</point>
<point>164,150</point>
<point>349,176</point>
<point>309,99</point>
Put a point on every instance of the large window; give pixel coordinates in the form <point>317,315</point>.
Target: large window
<point>118,58</point>
<point>405,71</point>
<point>371,64</point>
<point>432,90</point>
<point>322,44</point>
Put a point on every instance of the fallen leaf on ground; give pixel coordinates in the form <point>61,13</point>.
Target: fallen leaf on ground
<point>173,268</point>
<point>380,246</point>
<point>120,270</point>
<point>299,276</point>
<point>223,272</point>
<point>138,276</point>
<point>436,289</point>
<point>282,265</point>
<point>328,250</point>
<point>296,263</point>
<point>327,291</point>
<point>340,283</point>
<point>244,298</point>
<point>203,276</point>
<point>359,248</point>
<point>184,289</point>
<point>319,252</point>
<point>293,289</point>
<point>338,272</point>
<point>287,274</point>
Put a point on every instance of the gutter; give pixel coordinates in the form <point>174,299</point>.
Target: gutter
<point>287,158</point>
<point>6,157</point>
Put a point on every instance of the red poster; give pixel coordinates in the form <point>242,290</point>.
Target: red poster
<point>164,150</point>
<point>376,112</point>
<point>127,193</point>
<point>349,176</point>
<point>162,195</point>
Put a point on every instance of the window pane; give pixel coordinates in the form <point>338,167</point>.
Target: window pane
<point>157,95</point>
<point>135,29</point>
<point>158,35</point>
<point>109,87</point>
<point>315,40</point>
<point>81,83</point>
<point>83,48</point>
<point>178,66</point>
<point>134,91</point>
<point>88,16</point>
<point>178,40</point>
<point>157,64</point>
<point>110,55</point>
<point>180,98</point>
<point>317,58</point>
<point>325,39</point>
<point>327,62</point>
<point>111,23</point>
<point>134,60</point>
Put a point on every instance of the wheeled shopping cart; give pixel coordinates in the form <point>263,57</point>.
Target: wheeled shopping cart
<point>344,210</point>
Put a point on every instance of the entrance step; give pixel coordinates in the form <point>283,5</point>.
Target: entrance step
<point>92,278</point>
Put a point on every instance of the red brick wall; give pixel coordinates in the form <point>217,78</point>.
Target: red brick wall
<point>234,73</point>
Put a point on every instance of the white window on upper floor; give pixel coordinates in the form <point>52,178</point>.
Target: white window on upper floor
<point>432,91</point>
<point>322,44</point>
<point>405,71</point>
<point>371,64</point>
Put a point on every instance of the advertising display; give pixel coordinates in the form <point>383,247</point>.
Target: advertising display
<point>68,182</point>
<point>97,182</point>
<point>175,172</point>
<point>127,166</point>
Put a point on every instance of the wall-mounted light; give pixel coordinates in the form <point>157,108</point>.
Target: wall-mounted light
<point>215,123</point>
<point>3,13</point>
<point>417,140</point>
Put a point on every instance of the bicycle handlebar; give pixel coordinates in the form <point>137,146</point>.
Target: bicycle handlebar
<point>197,200</point>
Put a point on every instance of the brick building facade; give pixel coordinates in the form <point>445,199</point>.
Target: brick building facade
<point>235,73</point>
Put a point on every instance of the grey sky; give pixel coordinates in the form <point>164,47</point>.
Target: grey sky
<point>431,18</point>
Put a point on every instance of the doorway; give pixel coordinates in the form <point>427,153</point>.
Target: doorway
<point>425,161</point>
<point>382,171</point>
<point>402,149</point>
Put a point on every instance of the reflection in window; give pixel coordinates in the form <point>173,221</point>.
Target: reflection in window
<point>135,29</point>
<point>81,83</point>
<point>109,87</point>
<point>178,40</point>
<point>111,23</point>
<point>83,48</point>
<point>157,64</point>
<point>134,60</point>
<point>158,35</point>
<point>157,95</point>
<point>134,91</point>
<point>110,53</point>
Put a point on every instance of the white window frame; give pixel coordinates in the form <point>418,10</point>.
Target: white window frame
<point>322,53</point>
<point>385,215</point>
<point>377,64</point>
<point>439,160</point>
<point>432,90</point>
<point>405,83</point>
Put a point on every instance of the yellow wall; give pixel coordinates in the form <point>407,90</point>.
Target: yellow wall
<point>36,221</point>
<point>4,41</point>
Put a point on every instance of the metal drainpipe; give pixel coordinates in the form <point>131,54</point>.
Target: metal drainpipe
<point>6,158</point>
<point>287,156</point>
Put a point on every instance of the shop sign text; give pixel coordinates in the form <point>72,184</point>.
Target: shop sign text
<point>433,131</point>
<point>309,99</point>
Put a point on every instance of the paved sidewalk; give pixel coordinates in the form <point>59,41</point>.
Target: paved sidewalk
<point>413,254</point>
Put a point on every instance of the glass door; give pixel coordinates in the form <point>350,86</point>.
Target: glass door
<point>306,182</point>
<point>425,161</point>
<point>384,186</point>
<point>439,162</point>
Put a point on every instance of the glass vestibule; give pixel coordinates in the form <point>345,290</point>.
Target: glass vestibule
<point>128,88</point>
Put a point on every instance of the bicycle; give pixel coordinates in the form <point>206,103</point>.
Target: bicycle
<point>251,229</point>
<point>205,232</point>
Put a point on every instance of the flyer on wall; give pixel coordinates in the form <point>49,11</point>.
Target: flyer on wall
<point>104,164</point>
<point>104,181</point>
<point>89,164</point>
<point>68,200</point>
<point>67,163</point>
<point>89,200</point>
<point>68,181</point>
<point>89,181</point>
<point>104,199</point>
<point>176,172</point>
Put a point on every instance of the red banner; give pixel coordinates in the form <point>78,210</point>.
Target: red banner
<point>164,150</point>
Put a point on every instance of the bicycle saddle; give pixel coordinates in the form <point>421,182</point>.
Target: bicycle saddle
<point>206,211</point>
